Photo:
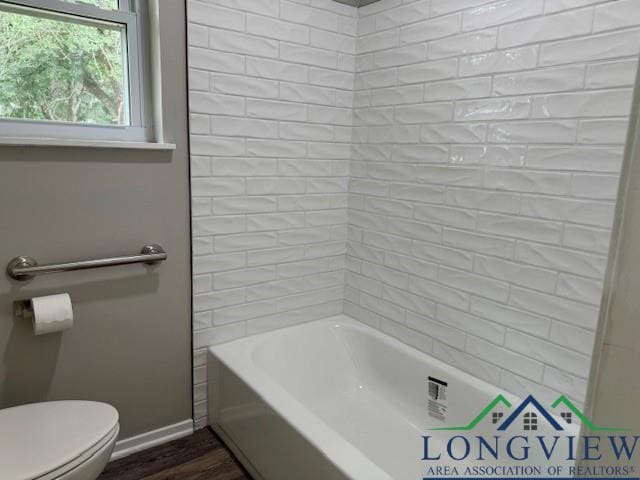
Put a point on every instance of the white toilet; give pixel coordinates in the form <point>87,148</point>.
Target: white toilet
<point>66,440</point>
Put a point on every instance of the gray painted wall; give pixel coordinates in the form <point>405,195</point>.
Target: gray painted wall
<point>130,345</point>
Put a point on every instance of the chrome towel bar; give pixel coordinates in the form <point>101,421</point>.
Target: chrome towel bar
<point>25,268</point>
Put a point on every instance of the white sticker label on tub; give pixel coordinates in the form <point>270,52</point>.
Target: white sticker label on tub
<point>437,399</point>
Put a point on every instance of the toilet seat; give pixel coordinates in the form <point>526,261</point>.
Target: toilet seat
<point>45,441</point>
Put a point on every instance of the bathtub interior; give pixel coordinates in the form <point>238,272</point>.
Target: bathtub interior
<point>371,390</point>
<point>340,358</point>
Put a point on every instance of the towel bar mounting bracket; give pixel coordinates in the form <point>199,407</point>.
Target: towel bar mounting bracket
<point>18,263</point>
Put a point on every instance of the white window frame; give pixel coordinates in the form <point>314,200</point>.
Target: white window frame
<point>133,16</point>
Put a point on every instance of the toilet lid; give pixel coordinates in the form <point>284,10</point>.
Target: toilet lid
<point>39,438</point>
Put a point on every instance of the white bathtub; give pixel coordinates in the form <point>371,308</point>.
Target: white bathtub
<point>336,399</point>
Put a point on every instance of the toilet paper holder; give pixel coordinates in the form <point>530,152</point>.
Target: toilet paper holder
<point>47,314</point>
<point>23,309</point>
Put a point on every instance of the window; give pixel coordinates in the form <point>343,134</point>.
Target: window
<point>567,417</point>
<point>74,69</point>
<point>530,421</point>
<point>496,417</point>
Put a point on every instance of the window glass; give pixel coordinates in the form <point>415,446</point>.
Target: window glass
<point>104,4</point>
<point>58,70</point>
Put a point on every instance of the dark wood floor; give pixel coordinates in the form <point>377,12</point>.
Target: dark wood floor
<point>201,456</point>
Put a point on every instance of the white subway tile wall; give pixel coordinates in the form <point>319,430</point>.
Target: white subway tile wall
<point>458,159</point>
<point>271,101</point>
<point>488,140</point>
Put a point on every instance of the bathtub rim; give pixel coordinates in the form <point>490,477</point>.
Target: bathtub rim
<point>237,356</point>
<point>244,354</point>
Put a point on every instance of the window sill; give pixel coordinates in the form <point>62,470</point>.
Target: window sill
<point>60,142</point>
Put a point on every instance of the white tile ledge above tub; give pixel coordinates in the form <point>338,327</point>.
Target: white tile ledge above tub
<point>70,142</point>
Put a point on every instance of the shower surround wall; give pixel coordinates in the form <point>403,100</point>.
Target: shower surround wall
<point>488,140</point>
<point>271,96</point>
<point>485,141</point>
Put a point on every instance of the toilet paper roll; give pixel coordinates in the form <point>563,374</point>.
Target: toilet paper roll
<point>52,313</point>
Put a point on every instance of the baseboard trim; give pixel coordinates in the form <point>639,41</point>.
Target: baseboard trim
<point>150,439</point>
